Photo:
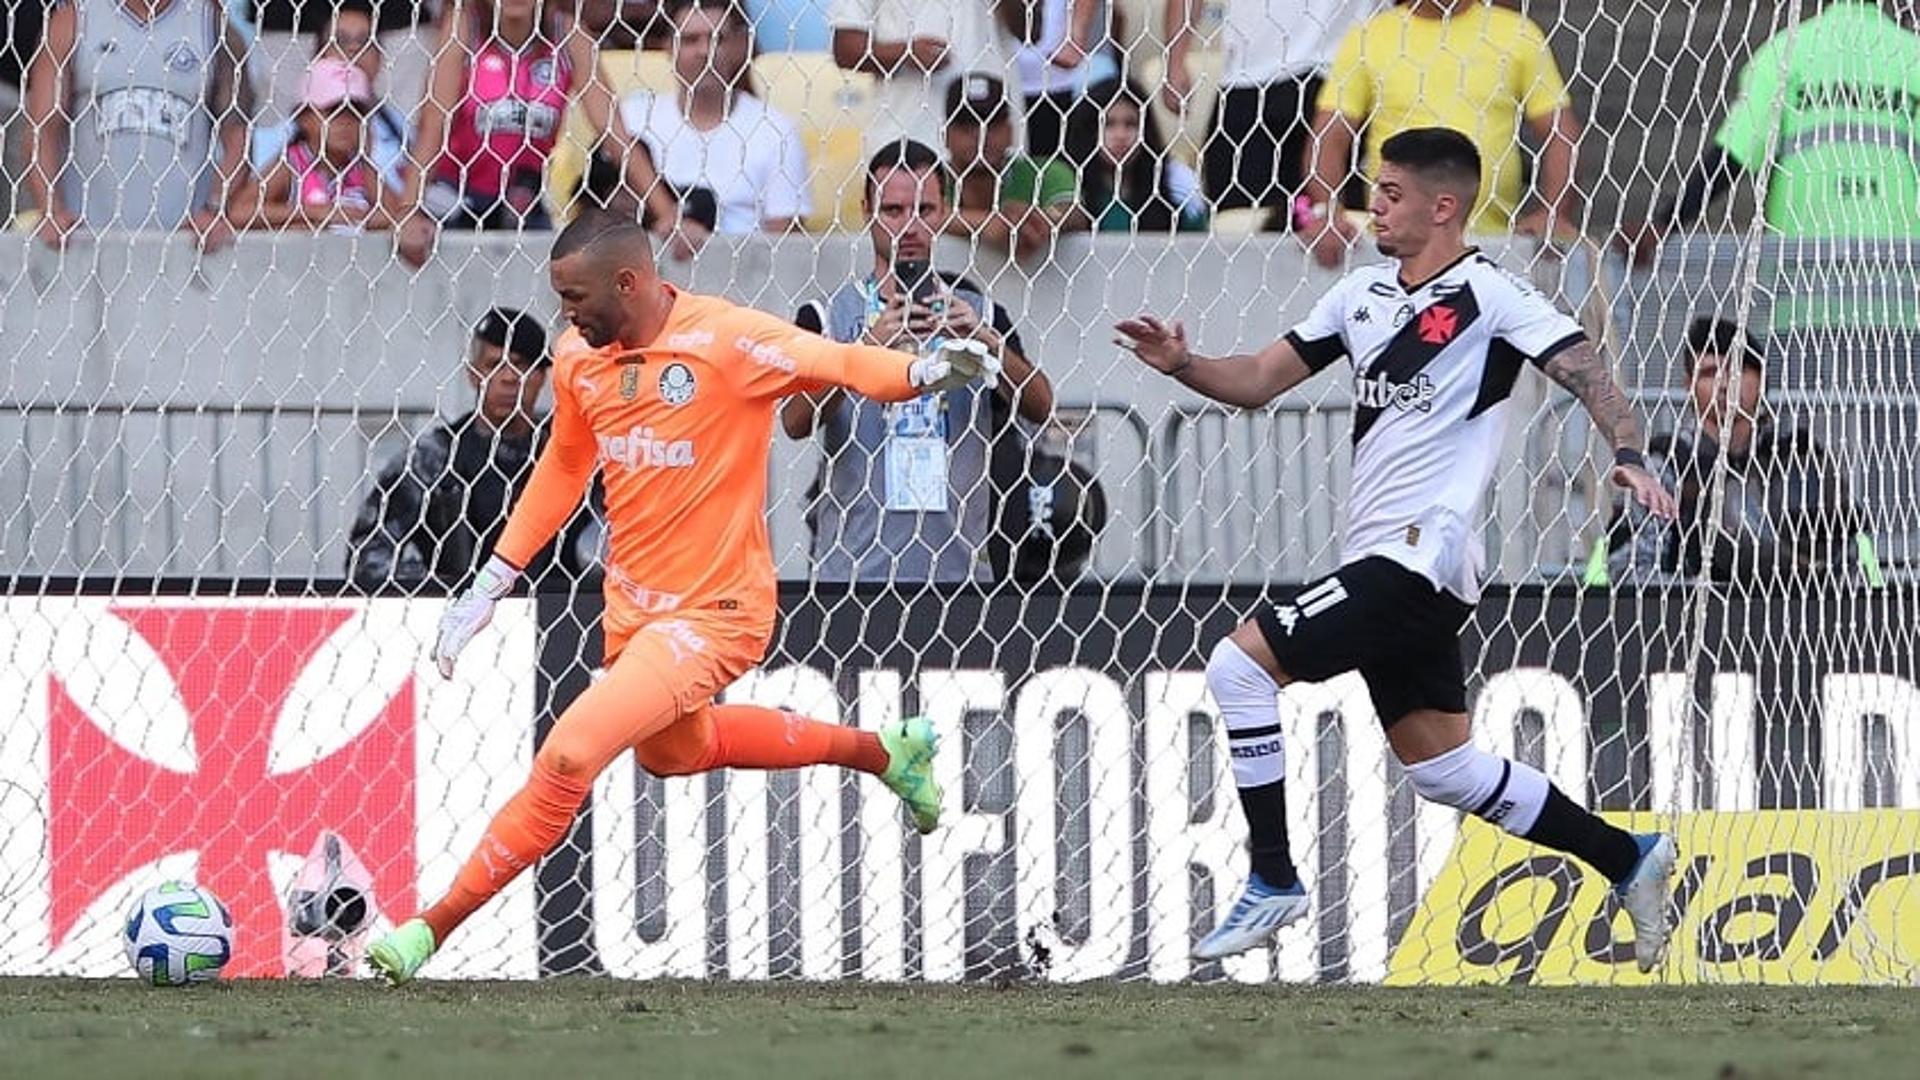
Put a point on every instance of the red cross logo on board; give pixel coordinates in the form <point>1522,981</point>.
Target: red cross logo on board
<point>253,789</point>
<point>1438,324</point>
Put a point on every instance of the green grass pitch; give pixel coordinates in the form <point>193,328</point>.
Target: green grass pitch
<point>573,1029</point>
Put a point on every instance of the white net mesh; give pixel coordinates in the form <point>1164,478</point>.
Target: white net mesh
<point>206,662</point>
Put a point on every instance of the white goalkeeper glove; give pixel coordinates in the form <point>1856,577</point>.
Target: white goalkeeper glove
<point>471,611</point>
<point>954,362</point>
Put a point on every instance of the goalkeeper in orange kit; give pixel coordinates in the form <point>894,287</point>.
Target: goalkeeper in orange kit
<point>672,397</point>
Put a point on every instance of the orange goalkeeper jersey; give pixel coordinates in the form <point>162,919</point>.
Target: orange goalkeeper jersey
<point>681,428</point>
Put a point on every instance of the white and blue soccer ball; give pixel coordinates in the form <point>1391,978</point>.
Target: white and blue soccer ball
<point>178,933</point>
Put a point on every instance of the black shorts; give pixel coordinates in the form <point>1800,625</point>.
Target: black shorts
<point>1380,619</point>
<point>1254,153</point>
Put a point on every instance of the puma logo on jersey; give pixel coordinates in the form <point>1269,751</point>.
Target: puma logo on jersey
<point>640,448</point>
<point>1379,393</point>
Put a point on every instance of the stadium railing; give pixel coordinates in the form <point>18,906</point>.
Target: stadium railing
<point>230,432</point>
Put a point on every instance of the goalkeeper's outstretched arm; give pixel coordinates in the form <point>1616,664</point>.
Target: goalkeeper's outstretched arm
<point>1249,380</point>
<point>780,359</point>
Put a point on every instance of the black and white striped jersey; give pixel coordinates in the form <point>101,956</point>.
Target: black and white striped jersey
<point>1433,365</point>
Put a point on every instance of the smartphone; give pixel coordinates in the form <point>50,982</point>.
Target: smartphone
<point>916,277</point>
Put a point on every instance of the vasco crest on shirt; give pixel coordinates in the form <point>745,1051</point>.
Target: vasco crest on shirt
<point>676,384</point>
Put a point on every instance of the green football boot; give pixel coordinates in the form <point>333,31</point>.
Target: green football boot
<point>910,746</point>
<point>400,955</point>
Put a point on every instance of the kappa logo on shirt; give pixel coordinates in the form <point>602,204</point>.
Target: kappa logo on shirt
<point>641,448</point>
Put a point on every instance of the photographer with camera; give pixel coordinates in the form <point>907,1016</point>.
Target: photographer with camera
<point>906,492</point>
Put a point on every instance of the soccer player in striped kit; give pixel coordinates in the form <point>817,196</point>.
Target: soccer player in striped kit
<point>1436,338</point>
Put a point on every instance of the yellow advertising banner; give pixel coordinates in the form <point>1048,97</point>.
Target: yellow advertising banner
<point>1779,897</point>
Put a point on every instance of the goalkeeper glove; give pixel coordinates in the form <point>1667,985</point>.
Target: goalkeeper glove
<point>954,362</point>
<point>471,611</point>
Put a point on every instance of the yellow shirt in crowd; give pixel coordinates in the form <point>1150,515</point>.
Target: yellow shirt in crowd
<point>1480,70</point>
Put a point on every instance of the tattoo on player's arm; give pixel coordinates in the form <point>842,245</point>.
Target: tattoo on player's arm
<point>1582,372</point>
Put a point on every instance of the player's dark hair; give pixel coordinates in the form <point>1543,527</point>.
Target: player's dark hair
<point>903,154</point>
<point>1722,338</point>
<point>1441,155</point>
<point>595,231</point>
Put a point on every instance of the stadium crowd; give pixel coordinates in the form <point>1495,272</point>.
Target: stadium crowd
<point>418,116</point>
<point>411,118</point>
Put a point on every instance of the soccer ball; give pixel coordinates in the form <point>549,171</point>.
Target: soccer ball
<point>178,933</point>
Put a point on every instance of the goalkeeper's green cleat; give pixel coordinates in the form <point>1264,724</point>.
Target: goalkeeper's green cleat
<point>910,745</point>
<point>400,955</point>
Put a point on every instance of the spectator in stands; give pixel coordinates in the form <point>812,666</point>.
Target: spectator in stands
<point>21,26</point>
<point>1067,47</point>
<point>1783,509</point>
<point>503,76</point>
<point>906,494</point>
<point>347,37</point>
<point>399,35</point>
<point>1009,202</point>
<point>1133,184</point>
<point>444,499</point>
<point>1837,112</point>
<point>1465,64</point>
<point>327,178</point>
<point>1277,54</point>
<point>732,164</point>
<point>140,109</point>
<point>916,52</point>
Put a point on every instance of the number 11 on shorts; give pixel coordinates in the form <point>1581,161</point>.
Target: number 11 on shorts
<point>1310,603</point>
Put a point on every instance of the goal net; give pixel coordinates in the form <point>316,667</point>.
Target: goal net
<point>248,446</point>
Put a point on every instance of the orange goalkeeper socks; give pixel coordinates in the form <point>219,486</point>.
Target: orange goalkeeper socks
<point>752,737</point>
<point>531,823</point>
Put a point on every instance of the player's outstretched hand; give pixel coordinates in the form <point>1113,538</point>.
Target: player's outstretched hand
<point>1161,346</point>
<point>1647,490</point>
<point>471,611</point>
<point>956,362</point>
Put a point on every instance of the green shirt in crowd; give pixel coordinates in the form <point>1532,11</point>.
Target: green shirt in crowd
<point>1838,99</point>
<point>1044,184</point>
